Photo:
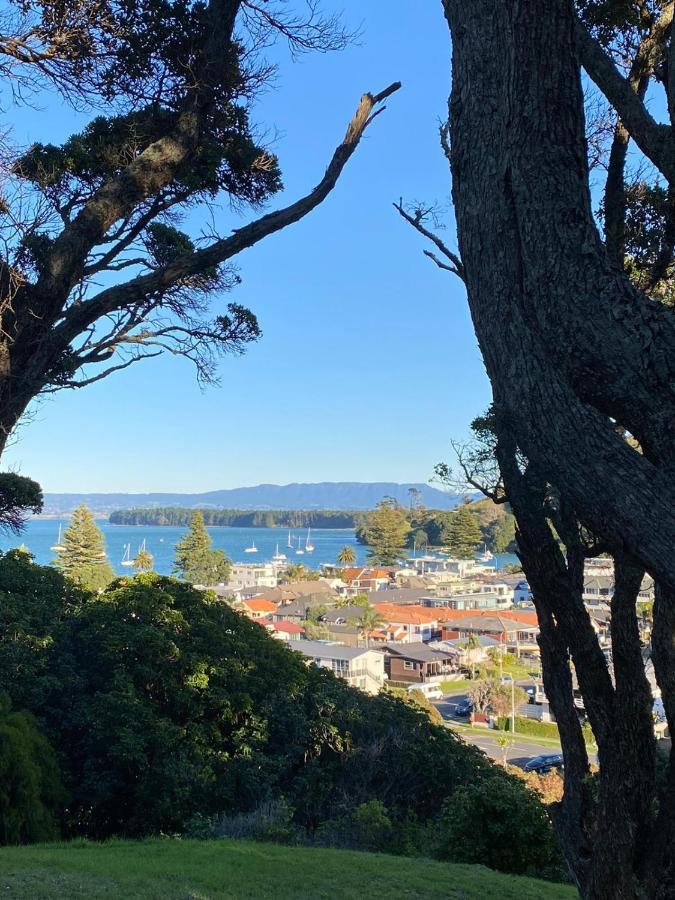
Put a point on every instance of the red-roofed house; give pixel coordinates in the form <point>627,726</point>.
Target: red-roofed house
<point>516,631</point>
<point>288,631</point>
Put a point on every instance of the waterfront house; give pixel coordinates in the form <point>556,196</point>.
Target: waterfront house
<point>420,624</point>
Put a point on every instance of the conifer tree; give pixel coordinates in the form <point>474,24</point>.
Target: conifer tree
<point>386,532</point>
<point>462,534</point>
<point>196,561</point>
<point>82,556</point>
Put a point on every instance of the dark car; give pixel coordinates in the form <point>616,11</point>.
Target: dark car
<point>464,707</point>
<point>544,763</point>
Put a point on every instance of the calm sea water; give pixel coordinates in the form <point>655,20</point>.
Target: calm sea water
<point>42,534</point>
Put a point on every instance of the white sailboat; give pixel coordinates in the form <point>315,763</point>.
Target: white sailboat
<point>252,548</point>
<point>278,557</point>
<point>290,542</point>
<point>309,546</point>
<point>299,551</point>
<point>58,545</point>
<point>485,556</point>
<point>126,559</point>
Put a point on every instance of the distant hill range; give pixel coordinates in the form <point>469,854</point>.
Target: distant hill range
<point>338,495</point>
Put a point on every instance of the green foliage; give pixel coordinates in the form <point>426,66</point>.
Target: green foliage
<point>34,600</point>
<point>169,710</point>
<point>417,699</point>
<point>386,532</point>
<point>461,535</point>
<point>143,561</point>
<point>346,556</point>
<point>369,620</point>
<point>237,518</point>
<point>82,555</point>
<point>195,561</point>
<point>499,825</point>
<point>299,572</point>
<point>31,792</point>
<point>525,725</point>
<point>19,497</point>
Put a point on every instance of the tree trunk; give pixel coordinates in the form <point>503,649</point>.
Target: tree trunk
<point>571,349</point>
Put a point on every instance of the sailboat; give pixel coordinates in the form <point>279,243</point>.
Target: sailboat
<point>289,544</point>
<point>126,559</point>
<point>299,551</point>
<point>58,545</point>
<point>309,546</point>
<point>485,556</point>
<point>252,548</point>
<point>278,557</point>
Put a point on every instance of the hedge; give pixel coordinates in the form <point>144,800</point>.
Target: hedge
<point>525,725</point>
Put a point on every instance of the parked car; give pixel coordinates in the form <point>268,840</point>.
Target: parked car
<point>431,691</point>
<point>543,764</point>
<point>464,707</point>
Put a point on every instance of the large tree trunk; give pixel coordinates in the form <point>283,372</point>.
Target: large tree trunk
<point>571,349</point>
<point>566,339</point>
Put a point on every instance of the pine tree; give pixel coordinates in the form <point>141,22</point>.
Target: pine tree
<point>462,534</point>
<point>386,532</point>
<point>196,561</point>
<point>82,556</point>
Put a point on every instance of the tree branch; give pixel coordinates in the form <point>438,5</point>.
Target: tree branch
<point>78,317</point>
<point>654,139</point>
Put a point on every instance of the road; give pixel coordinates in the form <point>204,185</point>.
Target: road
<point>518,753</point>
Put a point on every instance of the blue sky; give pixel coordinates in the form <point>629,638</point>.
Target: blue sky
<point>368,364</point>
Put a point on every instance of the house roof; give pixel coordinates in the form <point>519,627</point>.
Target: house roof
<point>517,615</point>
<point>497,624</point>
<point>288,627</point>
<point>260,604</point>
<point>326,650</point>
<point>364,573</point>
<point>418,652</point>
<point>343,616</point>
<point>482,639</point>
<point>407,615</point>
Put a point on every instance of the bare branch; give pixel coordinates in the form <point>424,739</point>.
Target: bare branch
<point>416,221</point>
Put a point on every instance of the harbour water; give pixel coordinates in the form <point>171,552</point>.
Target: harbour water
<point>41,535</point>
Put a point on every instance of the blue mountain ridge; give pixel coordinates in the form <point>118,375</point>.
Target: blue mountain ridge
<point>344,495</point>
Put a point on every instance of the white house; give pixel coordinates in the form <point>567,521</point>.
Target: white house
<point>359,667</point>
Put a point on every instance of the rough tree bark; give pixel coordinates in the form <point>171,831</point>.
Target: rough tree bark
<point>572,349</point>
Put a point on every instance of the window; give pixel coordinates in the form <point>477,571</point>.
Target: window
<point>408,665</point>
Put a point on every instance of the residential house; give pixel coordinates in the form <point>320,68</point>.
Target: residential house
<point>420,624</point>
<point>480,599</point>
<point>360,667</point>
<point>418,663</point>
<point>364,579</point>
<point>287,631</point>
<point>258,608</point>
<point>467,656</point>
<point>514,630</point>
<point>253,575</point>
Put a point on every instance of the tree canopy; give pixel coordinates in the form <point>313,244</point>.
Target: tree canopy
<point>196,561</point>
<point>386,531</point>
<point>82,556</point>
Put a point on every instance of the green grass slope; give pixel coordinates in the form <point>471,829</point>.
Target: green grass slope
<point>240,870</point>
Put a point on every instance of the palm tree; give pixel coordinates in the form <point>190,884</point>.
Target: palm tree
<point>346,556</point>
<point>471,643</point>
<point>143,560</point>
<point>369,620</point>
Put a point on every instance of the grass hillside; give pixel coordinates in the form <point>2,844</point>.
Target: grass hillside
<point>238,870</point>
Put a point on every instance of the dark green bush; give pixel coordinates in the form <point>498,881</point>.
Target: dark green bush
<point>498,824</point>
<point>31,792</point>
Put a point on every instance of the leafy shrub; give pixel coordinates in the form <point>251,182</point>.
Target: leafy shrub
<point>31,792</point>
<point>272,821</point>
<point>368,827</point>
<point>498,824</point>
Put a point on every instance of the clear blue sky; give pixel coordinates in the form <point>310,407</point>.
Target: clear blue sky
<point>368,365</point>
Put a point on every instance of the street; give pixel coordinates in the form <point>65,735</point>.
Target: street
<point>518,753</point>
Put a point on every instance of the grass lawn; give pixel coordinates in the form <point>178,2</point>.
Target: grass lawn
<point>239,870</point>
